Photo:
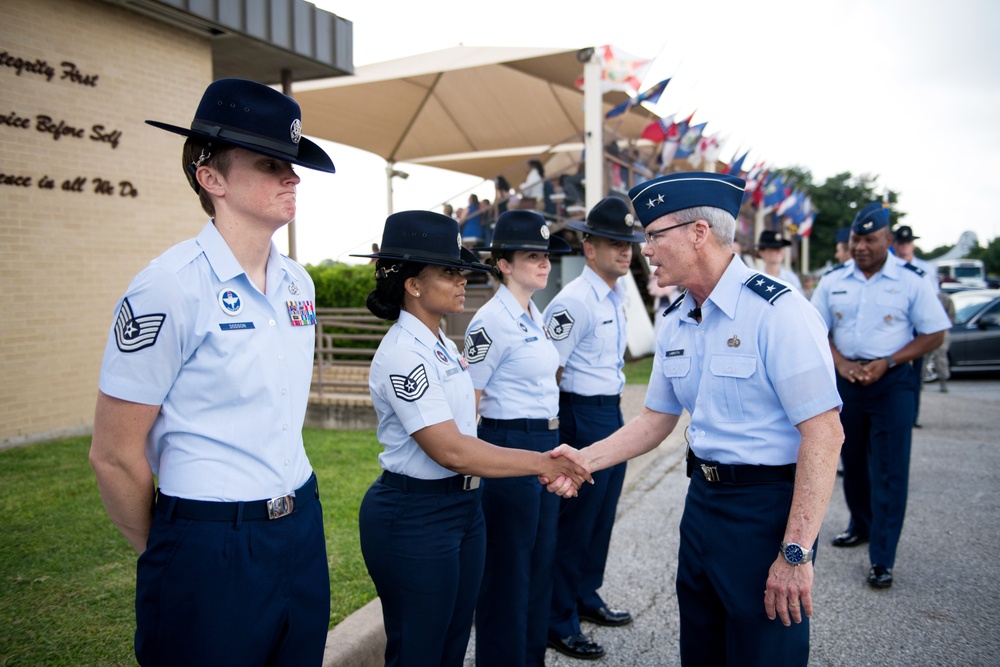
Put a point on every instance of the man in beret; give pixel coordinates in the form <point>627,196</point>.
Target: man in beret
<point>747,357</point>
<point>882,314</point>
<point>204,386</point>
<point>586,321</point>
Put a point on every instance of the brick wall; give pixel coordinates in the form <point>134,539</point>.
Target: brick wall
<point>67,256</point>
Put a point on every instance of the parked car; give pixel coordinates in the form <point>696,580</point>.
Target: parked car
<point>974,343</point>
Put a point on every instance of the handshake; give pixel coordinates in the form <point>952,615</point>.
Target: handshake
<point>569,469</point>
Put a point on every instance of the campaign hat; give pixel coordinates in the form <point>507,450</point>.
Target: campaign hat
<point>258,118</point>
<point>873,217</point>
<point>772,239</point>
<point>904,234</point>
<point>662,195</point>
<point>524,230</point>
<point>428,238</point>
<point>611,218</point>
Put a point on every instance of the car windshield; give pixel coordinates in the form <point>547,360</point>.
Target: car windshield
<point>968,304</point>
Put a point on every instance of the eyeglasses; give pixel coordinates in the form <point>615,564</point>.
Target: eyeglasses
<point>650,236</point>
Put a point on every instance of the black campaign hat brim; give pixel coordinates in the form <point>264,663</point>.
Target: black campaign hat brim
<point>557,246</point>
<point>310,155</point>
<point>634,237</point>
<point>469,261</point>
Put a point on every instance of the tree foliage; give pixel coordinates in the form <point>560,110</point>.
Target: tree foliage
<point>990,256</point>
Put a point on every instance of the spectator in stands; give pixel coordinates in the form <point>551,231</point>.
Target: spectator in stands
<point>502,196</point>
<point>471,222</point>
<point>533,187</point>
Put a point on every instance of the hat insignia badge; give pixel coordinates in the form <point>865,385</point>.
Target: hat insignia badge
<point>629,220</point>
<point>460,239</point>
<point>734,341</point>
<point>544,232</point>
<point>295,131</point>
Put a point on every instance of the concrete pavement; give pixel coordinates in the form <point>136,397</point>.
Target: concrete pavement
<point>940,611</point>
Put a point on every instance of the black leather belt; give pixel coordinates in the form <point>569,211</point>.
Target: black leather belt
<point>589,400</point>
<point>521,424</point>
<point>445,485</point>
<point>251,510</point>
<point>727,473</point>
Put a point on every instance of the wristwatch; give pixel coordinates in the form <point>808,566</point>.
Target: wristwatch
<point>889,360</point>
<point>795,554</point>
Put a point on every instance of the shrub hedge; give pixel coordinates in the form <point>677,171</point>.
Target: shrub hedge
<point>342,285</point>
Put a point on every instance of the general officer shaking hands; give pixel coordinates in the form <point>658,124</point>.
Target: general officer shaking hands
<point>747,356</point>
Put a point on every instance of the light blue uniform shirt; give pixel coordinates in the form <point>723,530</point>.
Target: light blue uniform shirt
<point>748,374</point>
<point>512,361</point>
<point>225,363</point>
<point>586,321</point>
<point>875,317</point>
<point>417,381</point>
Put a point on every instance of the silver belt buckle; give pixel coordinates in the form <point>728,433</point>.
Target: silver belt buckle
<point>711,473</point>
<point>281,506</point>
<point>470,482</point>
<point>554,423</point>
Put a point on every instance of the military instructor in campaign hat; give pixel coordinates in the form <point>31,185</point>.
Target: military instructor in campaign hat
<point>882,314</point>
<point>747,357</point>
<point>586,320</point>
<point>204,386</point>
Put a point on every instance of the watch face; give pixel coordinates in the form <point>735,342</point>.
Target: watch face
<point>793,554</point>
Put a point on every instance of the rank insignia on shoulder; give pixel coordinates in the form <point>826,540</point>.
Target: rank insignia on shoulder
<point>412,386</point>
<point>560,324</point>
<point>136,332</point>
<point>766,288</point>
<point>477,344</point>
<point>916,269</point>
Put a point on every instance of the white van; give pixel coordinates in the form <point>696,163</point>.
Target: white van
<point>970,272</point>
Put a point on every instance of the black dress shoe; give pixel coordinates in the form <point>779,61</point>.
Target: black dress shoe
<point>606,616</point>
<point>849,539</point>
<point>880,577</point>
<point>577,646</point>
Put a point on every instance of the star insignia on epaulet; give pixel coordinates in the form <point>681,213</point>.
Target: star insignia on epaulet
<point>766,288</point>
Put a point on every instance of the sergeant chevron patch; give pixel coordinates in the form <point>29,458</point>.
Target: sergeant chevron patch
<point>477,344</point>
<point>410,387</point>
<point>134,333</point>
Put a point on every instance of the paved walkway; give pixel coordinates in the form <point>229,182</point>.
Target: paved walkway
<point>941,610</point>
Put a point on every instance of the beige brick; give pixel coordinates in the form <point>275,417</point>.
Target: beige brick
<point>67,257</point>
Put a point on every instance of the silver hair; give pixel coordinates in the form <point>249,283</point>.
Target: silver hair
<point>722,223</point>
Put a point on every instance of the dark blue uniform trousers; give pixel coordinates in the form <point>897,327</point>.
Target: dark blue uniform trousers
<point>424,552</point>
<point>878,431</point>
<point>585,522</point>
<point>235,593</point>
<point>512,617</point>
<point>729,537</point>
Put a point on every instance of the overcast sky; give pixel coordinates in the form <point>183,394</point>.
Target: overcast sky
<point>908,90</point>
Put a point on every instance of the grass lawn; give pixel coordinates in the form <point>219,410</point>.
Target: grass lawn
<point>67,577</point>
<point>637,372</point>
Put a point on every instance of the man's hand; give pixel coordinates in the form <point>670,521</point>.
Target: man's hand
<point>789,591</point>
<point>562,485</point>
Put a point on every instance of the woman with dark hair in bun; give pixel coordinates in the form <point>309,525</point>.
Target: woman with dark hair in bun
<point>422,529</point>
<point>513,366</point>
